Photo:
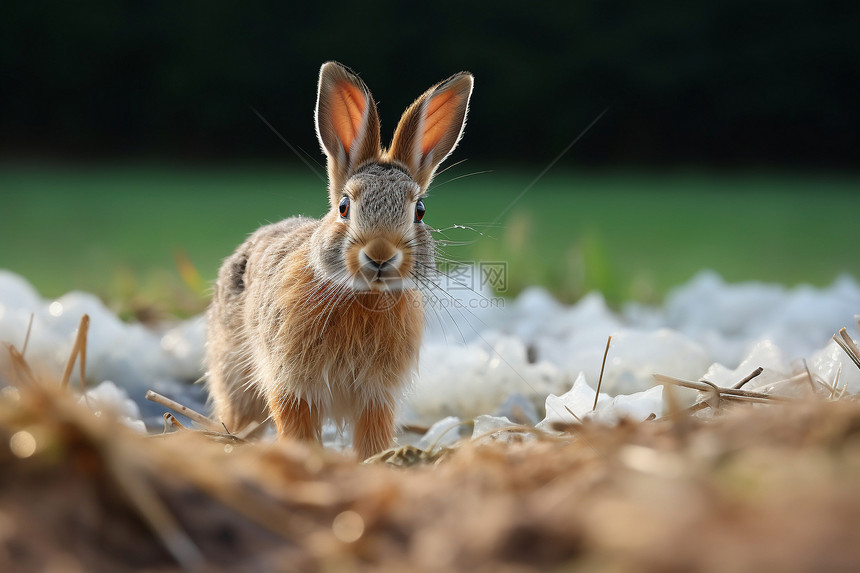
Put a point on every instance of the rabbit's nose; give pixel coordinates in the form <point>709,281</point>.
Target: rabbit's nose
<point>376,264</point>
<point>380,254</point>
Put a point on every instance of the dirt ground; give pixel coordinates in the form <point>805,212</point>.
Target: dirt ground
<point>757,487</point>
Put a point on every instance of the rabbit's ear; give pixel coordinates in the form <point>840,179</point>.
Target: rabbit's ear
<point>431,127</point>
<point>347,124</point>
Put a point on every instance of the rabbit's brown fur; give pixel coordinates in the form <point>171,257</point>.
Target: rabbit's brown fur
<point>315,319</point>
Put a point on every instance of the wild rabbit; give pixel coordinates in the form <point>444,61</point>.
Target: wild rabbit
<point>314,319</point>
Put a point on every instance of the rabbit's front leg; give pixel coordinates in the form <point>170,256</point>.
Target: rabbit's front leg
<point>374,429</point>
<point>294,417</point>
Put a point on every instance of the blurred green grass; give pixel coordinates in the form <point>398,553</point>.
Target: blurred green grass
<point>117,230</point>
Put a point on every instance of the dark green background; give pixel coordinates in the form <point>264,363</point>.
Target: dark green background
<point>729,82</point>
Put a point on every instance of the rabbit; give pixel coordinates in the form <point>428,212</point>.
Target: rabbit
<point>322,319</point>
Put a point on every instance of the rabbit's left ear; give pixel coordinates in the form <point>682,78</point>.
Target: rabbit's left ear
<point>431,127</point>
<point>347,124</point>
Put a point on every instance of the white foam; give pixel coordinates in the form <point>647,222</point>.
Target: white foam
<point>518,360</point>
<point>108,397</point>
<point>578,404</point>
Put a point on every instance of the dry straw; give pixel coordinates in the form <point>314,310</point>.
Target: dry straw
<point>83,492</point>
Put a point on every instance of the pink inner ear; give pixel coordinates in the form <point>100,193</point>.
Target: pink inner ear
<point>437,122</point>
<point>347,106</point>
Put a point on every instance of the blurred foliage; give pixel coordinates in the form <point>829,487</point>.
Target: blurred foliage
<point>150,240</point>
<point>749,81</point>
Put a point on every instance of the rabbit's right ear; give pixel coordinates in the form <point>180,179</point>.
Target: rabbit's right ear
<point>347,124</point>
<point>432,126</point>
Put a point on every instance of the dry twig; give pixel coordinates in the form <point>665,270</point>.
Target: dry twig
<point>848,345</point>
<point>723,392</point>
<point>752,375</point>
<point>170,421</point>
<point>27,336</point>
<point>600,378</point>
<point>204,421</point>
<point>79,351</point>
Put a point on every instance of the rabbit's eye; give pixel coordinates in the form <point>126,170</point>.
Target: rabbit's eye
<point>344,208</point>
<point>419,211</point>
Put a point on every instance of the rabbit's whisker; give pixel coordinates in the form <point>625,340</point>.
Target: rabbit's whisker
<point>461,177</point>
<point>438,173</point>
<point>456,303</point>
<point>427,292</point>
<point>429,285</point>
<point>450,278</point>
